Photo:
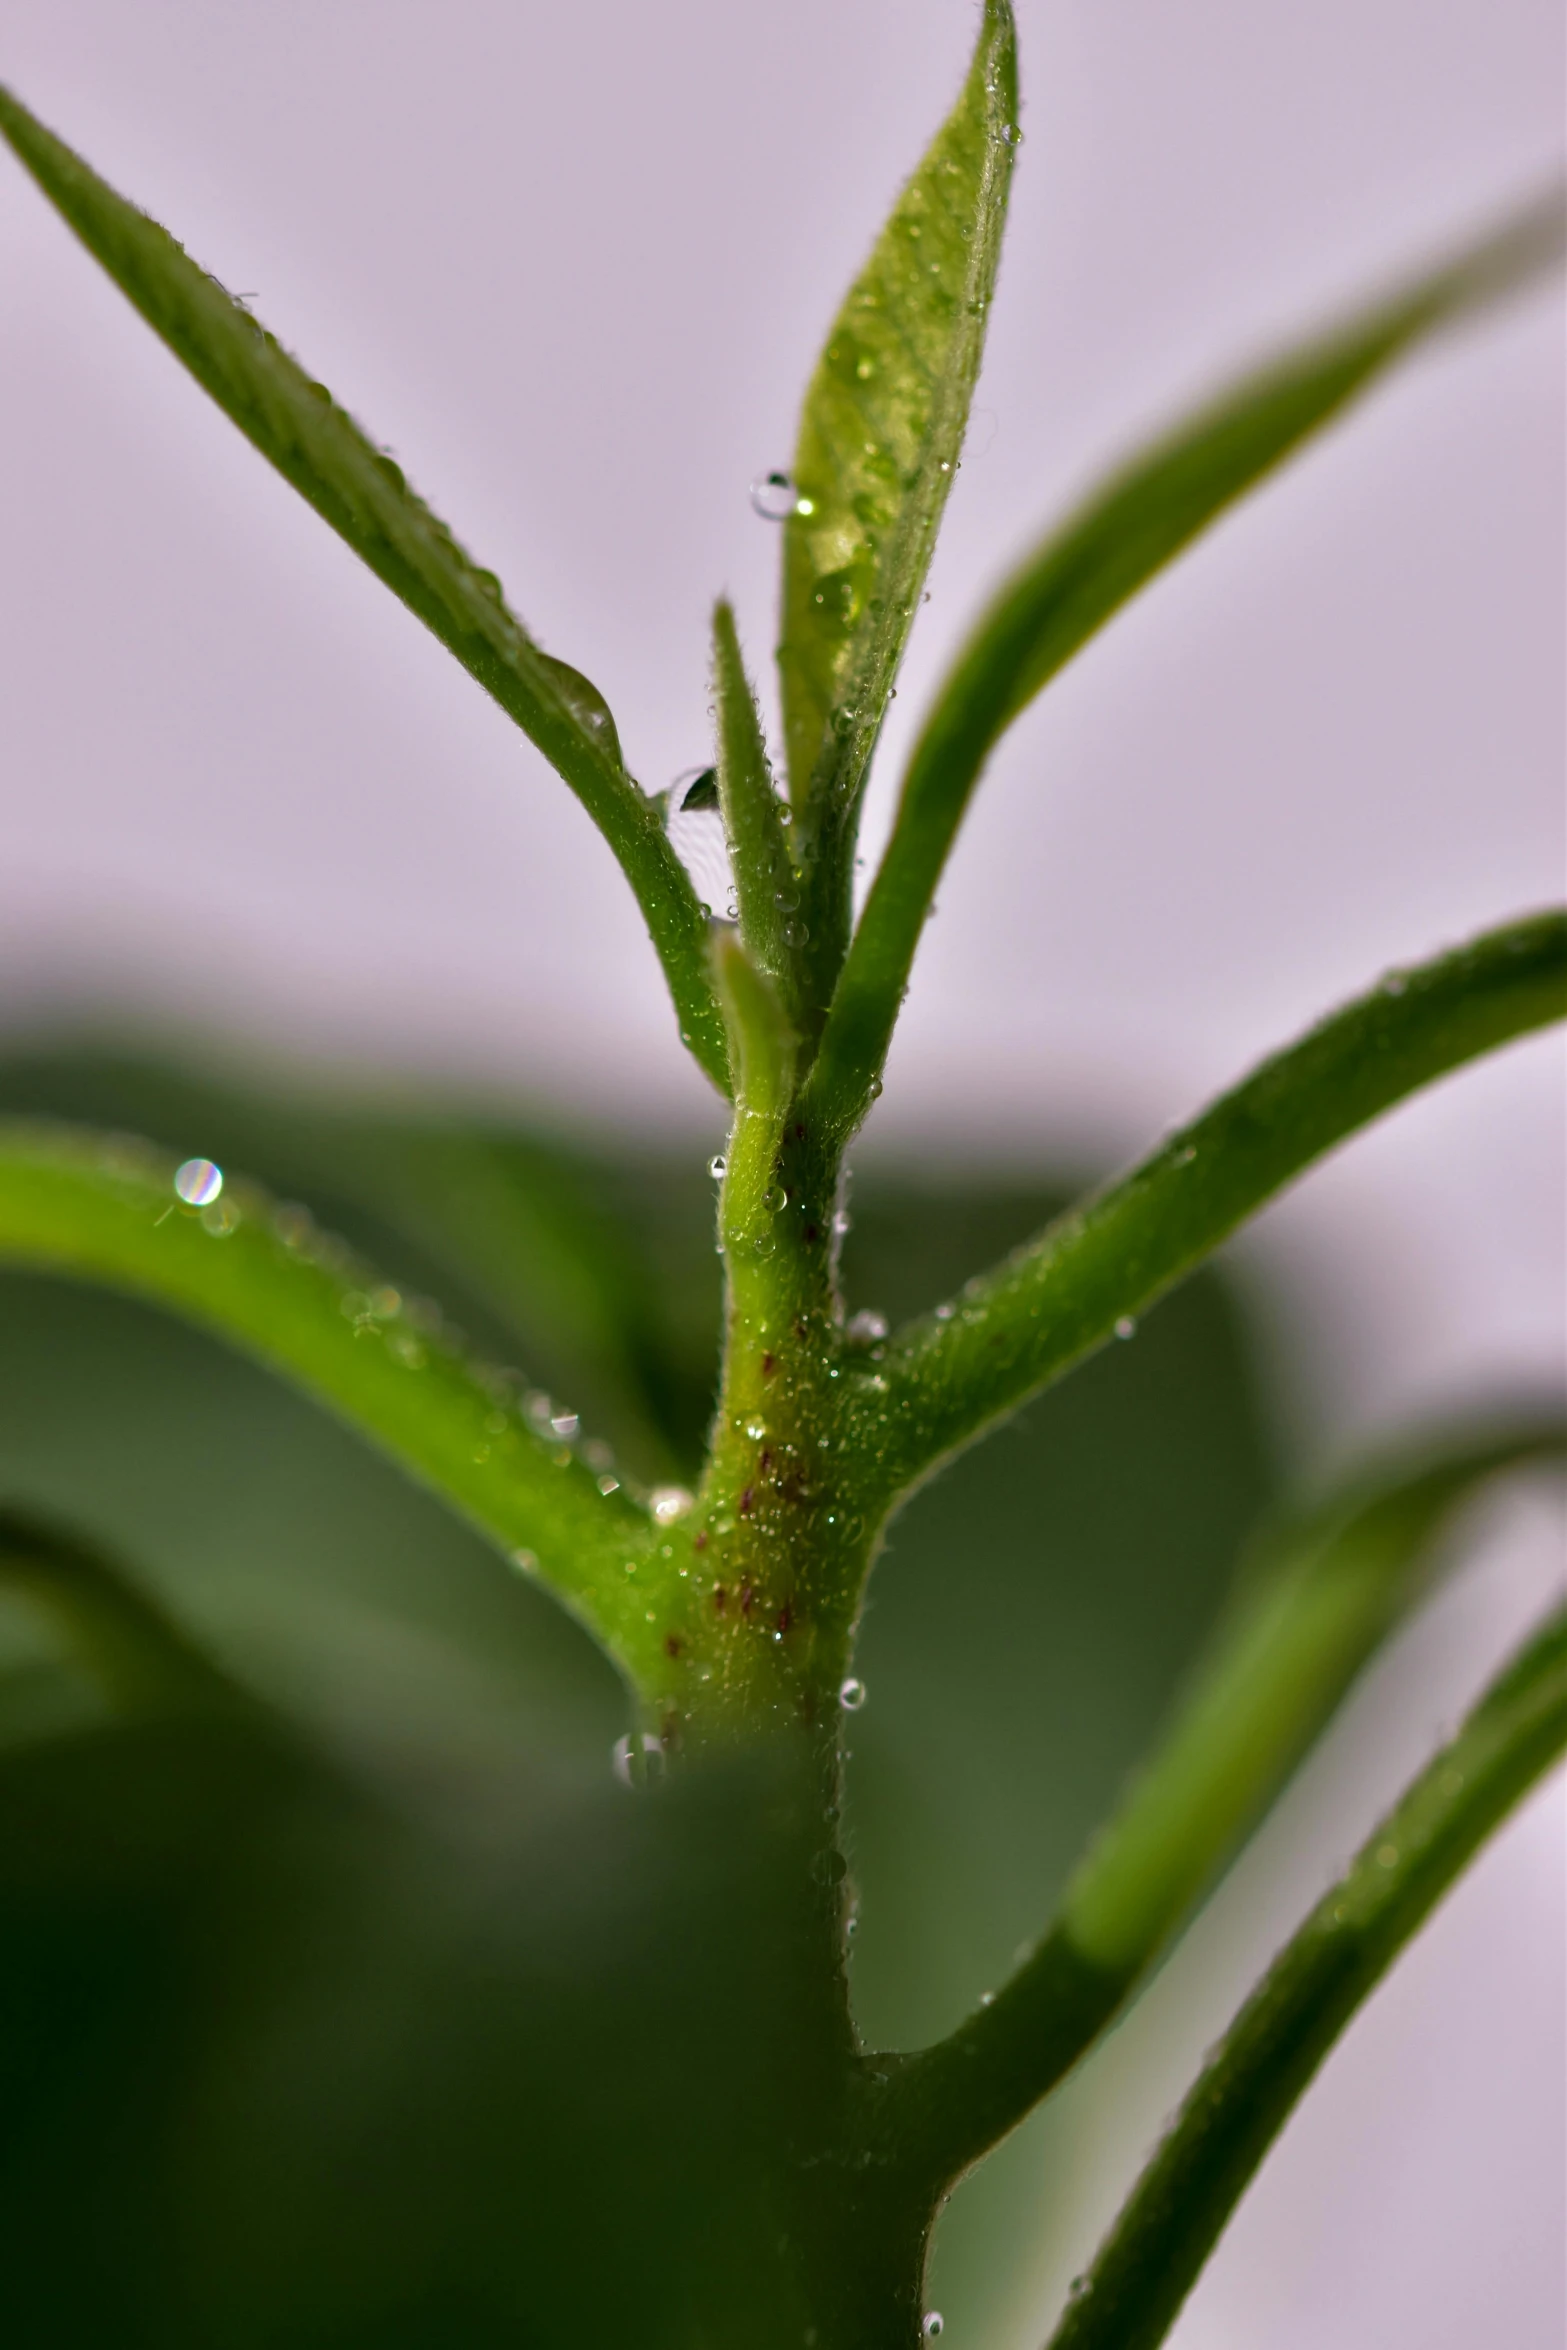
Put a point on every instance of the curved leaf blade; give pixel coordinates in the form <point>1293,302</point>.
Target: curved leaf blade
<point>1320,1599</point>
<point>954,1373</point>
<point>104,1209</point>
<point>1121,537</point>
<point>1244,2095</point>
<point>1320,1595</point>
<point>880,435</point>
<point>123,1640</point>
<point>317,447</point>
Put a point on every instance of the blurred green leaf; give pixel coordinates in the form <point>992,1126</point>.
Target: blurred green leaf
<point>139,1657</point>
<point>1120,538</point>
<point>1322,1594</point>
<point>297,2058</point>
<point>1148,2264</point>
<point>880,435</point>
<point>356,487</point>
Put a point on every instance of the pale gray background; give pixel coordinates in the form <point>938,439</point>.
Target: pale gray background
<point>570,264</point>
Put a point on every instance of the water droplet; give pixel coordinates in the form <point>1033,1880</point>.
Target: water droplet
<point>934,2324</point>
<point>775,1200</point>
<point>841,1222</point>
<point>774,497</point>
<point>851,1696</point>
<point>650,1759</point>
<point>987,1999</point>
<point>564,1424</point>
<point>756,1430</point>
<point>1387,1856</point>
<point>795,934</point>
<point>787,900</point>
<point>1395,983</point>
<point>944,1313</point>
<point>865,1327</point>
<point>198,1182</point>
<point>525,1562</point>
<point>405,1350</point>
<point>668,1502</point>
<point>1126,1327</point>
<point>765,1244</point>
<point>220,1219</point>
<point>608,1485</point>
<point>717,1165</point>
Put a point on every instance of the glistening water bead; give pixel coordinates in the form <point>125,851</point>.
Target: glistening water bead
<point>774,497</point>
<point>934,2324</point>
<point>851,1695</point>
<point>198,1182</point>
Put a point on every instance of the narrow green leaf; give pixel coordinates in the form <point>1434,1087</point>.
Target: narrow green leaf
<point>138,1656</point>
<point>767,887</point>
<point>956,1372</point>
<point>880,436</point>
<point>104,1209</point>
<point>761,1042</point>
<point>1121,537</point>
<point>354,486</point>
<point>1321,1597</point>
<point>1244,2095</point>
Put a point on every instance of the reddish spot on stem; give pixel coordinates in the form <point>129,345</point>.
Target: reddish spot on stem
<point>746,1500</point>
<point>700,1542</point>
<point>672,1644</point>
<point>769,1366</point>
<point>811,1232</point>
<point>799,1134</point>
<point>747,1595</point>
<point>801,1330</point>
<point>785,1619</point>
<point>764,1464</point>
<point>720,1599</point>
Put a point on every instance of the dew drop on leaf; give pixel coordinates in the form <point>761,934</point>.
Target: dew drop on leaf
<point>774,497</point>
<point>198,1182</point>
<point>851,1696</point>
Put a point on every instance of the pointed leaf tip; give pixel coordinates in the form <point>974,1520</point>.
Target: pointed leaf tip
<point>880,436</point>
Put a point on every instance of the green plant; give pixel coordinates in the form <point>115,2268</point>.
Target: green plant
<point>773,2180</point>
